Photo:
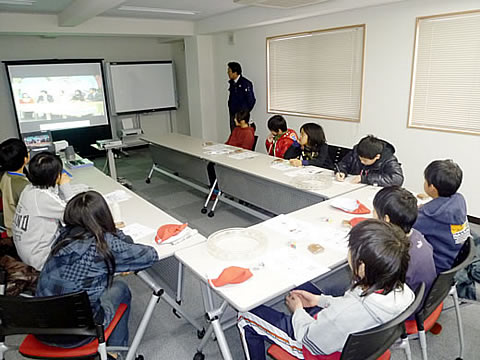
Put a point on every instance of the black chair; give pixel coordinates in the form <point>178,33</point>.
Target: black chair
<point>255,139</point>
<point>69,314</point>
<point>336,154</point>
<point>443,286</point>
<point>371,344</point>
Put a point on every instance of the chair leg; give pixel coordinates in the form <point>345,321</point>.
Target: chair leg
<point>423,344</point>
<point>461,337</point>
<point>102,350</point>
<point>405,345</point>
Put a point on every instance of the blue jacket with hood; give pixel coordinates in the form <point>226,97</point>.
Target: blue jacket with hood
<point>443,222</point>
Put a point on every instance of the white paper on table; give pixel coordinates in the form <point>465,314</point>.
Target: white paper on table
<point>218,149</point>
<point>244,155</point>
<point>306,170</point>
<point>345,204</point>
<point>137,231</point>
<point>184,234</point>
<point>294,266</point>
<point>282,165</point>
<point>117,196</point>
<point>319,231</point>
<point>290,228</point>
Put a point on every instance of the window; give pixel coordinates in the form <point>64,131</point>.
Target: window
<point>445,89</point>
<point>317,74</point>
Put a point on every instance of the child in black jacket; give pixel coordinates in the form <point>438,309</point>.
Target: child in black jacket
<point>373,162</point>
<point>311,148</point>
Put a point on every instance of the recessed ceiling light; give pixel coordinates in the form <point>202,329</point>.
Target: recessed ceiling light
<point>157,10</point>
<point>17,2</point>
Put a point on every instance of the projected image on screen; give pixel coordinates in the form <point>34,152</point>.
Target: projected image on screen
<point>58,96</point>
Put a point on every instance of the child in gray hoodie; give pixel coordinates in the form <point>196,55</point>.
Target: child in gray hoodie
<point>378,257</point>
<point>40,209</point>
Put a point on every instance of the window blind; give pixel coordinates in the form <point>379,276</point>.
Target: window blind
<point>317,74</point>
<point>445,90</point>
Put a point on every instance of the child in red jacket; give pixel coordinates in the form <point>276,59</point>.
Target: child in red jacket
<point>281,137</point>
<point>243,135</point>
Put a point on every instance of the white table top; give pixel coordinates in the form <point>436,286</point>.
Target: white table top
<point>134,210</point>
<point>259,166</point>
<point>283,267</point>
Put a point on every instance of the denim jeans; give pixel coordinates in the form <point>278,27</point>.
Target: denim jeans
<point>111,299</point>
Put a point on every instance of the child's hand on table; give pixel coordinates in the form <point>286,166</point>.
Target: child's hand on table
<point>340,176</point>
<point>293,302</point>
<point>357,179</point>
<point>308,299</point>
<point>64,178</point>
<point>295,162</point>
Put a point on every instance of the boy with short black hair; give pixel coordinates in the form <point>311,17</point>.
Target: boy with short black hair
<point>13,158</point>
<point>243,135</point>
<point>443,220</point>
<point>399,206</point>
<point>373,162</point>
<point>40,209</point>
<point>281,137</point>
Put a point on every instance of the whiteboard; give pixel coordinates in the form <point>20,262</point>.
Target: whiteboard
<point>142,86</point>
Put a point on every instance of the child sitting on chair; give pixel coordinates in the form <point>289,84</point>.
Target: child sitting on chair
<point>373,162</point>
<point>14,157</point>
<point>40,209</point>
<point>243,135</point>
<point>281,138</point>
<point>443,220</point>
<point>378,257</point>
<point>399,206</point>
<point>87,253</point>
<point>311,148</point>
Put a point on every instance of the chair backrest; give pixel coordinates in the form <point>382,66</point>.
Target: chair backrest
<point>445,280</point>
<point>255,140</point>
<point>69,314</point>
<point>336,153</point>
<point>372,343</point>
<point>465,256</point>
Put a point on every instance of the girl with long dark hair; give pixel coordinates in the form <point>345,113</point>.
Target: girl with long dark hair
<point>85,256</point>
<point>310,149</point>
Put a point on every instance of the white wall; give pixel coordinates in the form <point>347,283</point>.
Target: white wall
<point>389,46</point>
<point>82,47</point>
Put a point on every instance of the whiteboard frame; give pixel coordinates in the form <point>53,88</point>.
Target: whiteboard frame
<point>144,111</point>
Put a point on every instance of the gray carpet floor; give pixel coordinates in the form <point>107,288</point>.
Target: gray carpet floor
<point>169,338</point>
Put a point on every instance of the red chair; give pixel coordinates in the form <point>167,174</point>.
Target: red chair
<point>69,314</point>
<point>444,285</point>
<point>369,344</point>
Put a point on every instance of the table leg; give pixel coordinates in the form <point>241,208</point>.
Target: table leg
<point>111,164</point>
<point>180,283</point>
<point>214,315</point>
<point>168,299</point>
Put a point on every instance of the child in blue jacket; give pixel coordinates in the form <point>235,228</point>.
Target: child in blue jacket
<point>443,220</point>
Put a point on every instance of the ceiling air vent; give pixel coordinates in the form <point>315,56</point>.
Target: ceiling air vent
<point>281,4</point>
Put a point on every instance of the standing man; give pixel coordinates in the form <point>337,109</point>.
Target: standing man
<point>241,92</point>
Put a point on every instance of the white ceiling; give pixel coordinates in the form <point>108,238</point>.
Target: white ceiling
<point>212,16</point>
<point>205,8</point>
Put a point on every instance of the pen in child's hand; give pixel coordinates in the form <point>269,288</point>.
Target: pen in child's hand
<point>337,168</point>
<point>66,172</point>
